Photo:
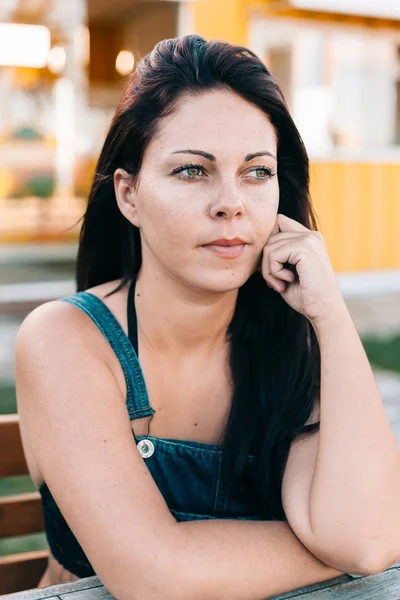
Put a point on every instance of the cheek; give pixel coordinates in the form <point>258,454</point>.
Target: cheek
<point>266,213</point>
<point>178,229</point>
<point>273,192</point>
<point>267,202</point>
<point>167,226</point>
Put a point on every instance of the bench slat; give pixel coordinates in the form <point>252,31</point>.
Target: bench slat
<point>22,571</point>
<point>21,514</point>
<point>11,450</point>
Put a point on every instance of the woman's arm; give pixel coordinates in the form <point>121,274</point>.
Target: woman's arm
<point>354,495</point>
<point>243,560</point>
<point>352,503</point>
<point>355,490</point>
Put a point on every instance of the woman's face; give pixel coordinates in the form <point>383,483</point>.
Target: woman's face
<point>200,182</point>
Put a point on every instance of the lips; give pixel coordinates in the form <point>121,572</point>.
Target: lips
<point>226,248</point>
<point>226,242</point>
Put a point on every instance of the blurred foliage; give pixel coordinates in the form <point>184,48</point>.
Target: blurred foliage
<point>384,353</point>
<point>23,543</point>
<point>8,402</point>
<point>19,484</point>
<point>41,185</point>
<point>26,133</point>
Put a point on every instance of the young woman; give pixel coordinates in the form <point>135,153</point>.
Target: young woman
<point>170,409</point>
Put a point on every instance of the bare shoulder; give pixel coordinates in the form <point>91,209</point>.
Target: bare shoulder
<point>63,326</point>
<point>49,319</point>
<point>52,325</point>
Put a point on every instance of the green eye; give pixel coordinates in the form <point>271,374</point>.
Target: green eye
<point>265,170</point>
<point>190,167</point>
<point>190,170</point>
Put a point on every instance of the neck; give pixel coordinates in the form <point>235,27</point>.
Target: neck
<point>177,320</point>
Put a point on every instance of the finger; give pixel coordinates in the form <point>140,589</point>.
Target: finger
<point>283,256</point>
<point>281,236</point>
<point>286,275</point>
<point>283,270</point>
<point>288,224</point>
<point>275,283</point>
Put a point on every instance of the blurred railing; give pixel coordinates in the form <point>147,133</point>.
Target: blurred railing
<point>24,297</point>
<point>40,219</point>
<point>31,274</point>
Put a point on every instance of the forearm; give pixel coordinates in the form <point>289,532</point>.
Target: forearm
<point>355,491</point>
<point>243,560</point>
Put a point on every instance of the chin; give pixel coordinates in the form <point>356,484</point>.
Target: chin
<point>224,280</point>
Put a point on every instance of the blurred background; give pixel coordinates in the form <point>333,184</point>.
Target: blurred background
<point>63,64</point>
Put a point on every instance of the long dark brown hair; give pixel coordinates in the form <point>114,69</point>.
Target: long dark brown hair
<point>275,358</point>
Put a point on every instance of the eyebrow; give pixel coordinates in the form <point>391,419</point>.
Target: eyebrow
<point>212,158</point>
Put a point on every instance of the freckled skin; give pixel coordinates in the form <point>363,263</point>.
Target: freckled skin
<point>176,213</point>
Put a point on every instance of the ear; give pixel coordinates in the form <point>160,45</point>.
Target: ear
<point>125,196</point>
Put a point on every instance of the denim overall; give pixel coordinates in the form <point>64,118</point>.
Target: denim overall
<point>187,473</point>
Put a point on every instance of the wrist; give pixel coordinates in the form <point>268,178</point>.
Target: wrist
<point>334,316</point>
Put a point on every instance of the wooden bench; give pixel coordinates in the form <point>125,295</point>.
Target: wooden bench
<point>20,514</point>
<point>382,586</point>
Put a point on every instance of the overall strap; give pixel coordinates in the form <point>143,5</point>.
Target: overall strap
<point>137,400</point>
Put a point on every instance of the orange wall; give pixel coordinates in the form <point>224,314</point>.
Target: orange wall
<point>222,19</point>
<point>358,206</point>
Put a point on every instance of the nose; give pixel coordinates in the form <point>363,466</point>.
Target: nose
<point>228,203</point>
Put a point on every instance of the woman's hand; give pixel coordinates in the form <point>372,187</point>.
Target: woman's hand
<point>309,286</point>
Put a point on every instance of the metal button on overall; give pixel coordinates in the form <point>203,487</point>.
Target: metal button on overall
<point>146,448</point>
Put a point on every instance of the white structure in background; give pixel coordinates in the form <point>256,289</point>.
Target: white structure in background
<point>56,60</point>
<point>363,77</point>
<point>389,9</point>
<point>62,113</point>
<point>312,100</point>
<point>65,109</point>
<point>341,83</point>
<point>20,46</point>
<point>185,18</point>
<point>24,45</point>
<point>70,92</point>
